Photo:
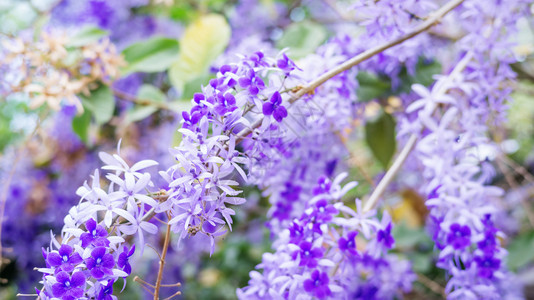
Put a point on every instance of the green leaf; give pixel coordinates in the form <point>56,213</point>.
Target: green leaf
<point>80,126</point>
<point>520,251</point>
<point>100,103</point>
<point>406,237</point>
<point>424,71</point>
<point>302,38</point>
<point>86,35</point>
<point>202,42</point>
<point>150,93</point>
<point>372,87</point>
<point>421,262</point>
<point>380,136</point>
<point>180,105</point>
<point>154,55</point>
<point>194,86</point>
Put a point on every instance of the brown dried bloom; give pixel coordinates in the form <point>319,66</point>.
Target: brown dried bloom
<point>48,78</point>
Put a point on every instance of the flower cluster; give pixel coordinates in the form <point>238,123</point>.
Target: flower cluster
<point>200,184</point>
<point>53,70</point>
<point>455,114</point>
<point>331,252</point>
<point>91,253</point>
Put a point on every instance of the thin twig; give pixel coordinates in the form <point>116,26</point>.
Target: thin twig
<point>410,144</point>
<point>431,285</point>
<point>173,295</point>
<point>142,284</point>
<point>513,184</point>
<point>144,102</point>
<point>162,260</point>
<point>433,19</point>
<point>139,280</point>
<point>517,168</point>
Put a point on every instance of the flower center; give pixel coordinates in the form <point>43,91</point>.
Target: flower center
<point>98,260</point>
<point>65,258</point>
<point>67,283</point>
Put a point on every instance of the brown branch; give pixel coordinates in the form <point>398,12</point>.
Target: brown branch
<point>162,260</point>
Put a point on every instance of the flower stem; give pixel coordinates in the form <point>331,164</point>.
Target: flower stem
<point>162,261</point>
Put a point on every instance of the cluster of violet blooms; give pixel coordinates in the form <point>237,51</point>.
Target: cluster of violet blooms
<point>331,251</point>
<point>451,151</point>
<point>198,187</point>
<point>323,249</point>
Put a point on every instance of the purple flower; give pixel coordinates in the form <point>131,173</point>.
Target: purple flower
<point>65,259</point>
<point>296,233</point>
<point>367,291</point>
<point>489,244</point>
<point>190,120</point>
<point>101,12</point>
<point>308,255</point>
<point>286,64</point>
<point>487,265</point>
<point>459,236</point>
<point>385,237</point>
<point>227,68</point>
<point>96,235</point>
<point>225,103</point>
<point>106,291</point>
<point>323,211</point>
<point>274,107</point>
<point>323,186</point>
<point>283,211</point>
<point>252,82</point>
<point>348,244</point>
<point>292,192</point>
<point>100,263</point>
<point>68,288</point>
<point>122,261</point>
<point>257,59</point>
<point>317,284</point>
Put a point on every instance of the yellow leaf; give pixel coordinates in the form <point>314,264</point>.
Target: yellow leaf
<point>411,209</point>
<point>203,40</point>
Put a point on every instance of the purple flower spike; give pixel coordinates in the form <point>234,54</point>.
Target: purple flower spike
<point>385,237</point>
<point>64,260</point>
<point>348,245</point>
<point>69,288</point>
<point>100,263</point>
<point>96,234</point>
<point>317,285</point>
<point>459,237</point>
<point>308,255</point>
<point>122,261</point>
<point>274,107</point>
